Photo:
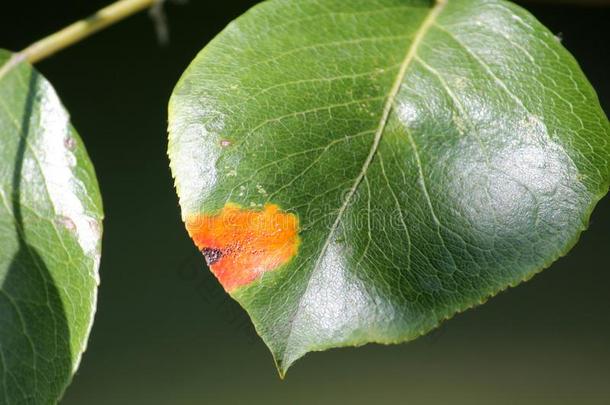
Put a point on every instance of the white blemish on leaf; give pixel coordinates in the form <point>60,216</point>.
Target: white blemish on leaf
<point>66,223</point>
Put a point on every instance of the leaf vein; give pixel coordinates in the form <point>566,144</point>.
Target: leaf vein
<point>388,107</point>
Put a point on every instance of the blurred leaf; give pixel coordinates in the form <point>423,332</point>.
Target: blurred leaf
<point>50,238</point>
<point>570,2</point>
<point>432,156</point>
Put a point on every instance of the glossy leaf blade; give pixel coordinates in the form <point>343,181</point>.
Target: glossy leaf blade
<point>433,155</point>
<point>50,239</point>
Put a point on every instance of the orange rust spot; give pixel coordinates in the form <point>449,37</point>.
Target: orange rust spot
<point>241,244</point>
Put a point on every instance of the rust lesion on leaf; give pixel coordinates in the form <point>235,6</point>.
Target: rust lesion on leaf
<point>240,244</point>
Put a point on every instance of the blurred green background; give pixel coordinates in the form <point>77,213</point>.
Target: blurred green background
<point>165,332</point>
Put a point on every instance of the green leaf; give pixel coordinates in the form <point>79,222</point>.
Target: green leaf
<point>433,155</point>
<point>50,239</point>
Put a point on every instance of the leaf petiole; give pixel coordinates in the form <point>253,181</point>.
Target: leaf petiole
<point>82,29</point>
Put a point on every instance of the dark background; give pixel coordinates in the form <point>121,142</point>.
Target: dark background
<point>165,332</point>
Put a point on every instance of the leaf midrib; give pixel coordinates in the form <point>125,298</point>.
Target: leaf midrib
<point>13,61</point>
<point>428,22</point>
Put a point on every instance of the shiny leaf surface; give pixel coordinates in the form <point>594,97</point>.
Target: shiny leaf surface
<point>429,154</point>
<point>50,239</point>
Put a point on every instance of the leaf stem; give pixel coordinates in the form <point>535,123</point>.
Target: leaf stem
<point>82,29</point>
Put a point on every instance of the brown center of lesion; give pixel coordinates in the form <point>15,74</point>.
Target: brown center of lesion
<point>211,255</point>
